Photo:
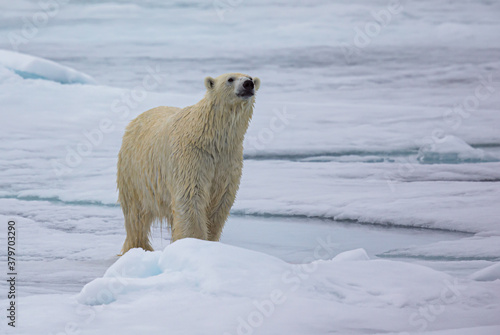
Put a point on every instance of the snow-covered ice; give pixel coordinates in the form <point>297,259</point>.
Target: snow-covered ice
<point>370,189</point>
<point>450,149</point>
<point>38,68</point>
<point>491,273</point>
<point>233,290</point>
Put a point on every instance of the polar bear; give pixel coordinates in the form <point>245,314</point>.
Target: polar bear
<point>184,165</point>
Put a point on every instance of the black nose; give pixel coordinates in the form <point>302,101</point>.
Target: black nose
<point>248,85</point>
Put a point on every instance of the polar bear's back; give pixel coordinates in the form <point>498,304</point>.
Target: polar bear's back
<point>147,133</point>
<point>151,120</point>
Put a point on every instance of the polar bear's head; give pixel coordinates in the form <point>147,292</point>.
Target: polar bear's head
<point>232,87</point>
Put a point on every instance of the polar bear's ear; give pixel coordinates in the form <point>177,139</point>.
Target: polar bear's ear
<point>209,83</point>
<point>256,83</point>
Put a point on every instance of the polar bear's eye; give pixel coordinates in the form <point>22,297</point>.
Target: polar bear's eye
<point>230,80</point>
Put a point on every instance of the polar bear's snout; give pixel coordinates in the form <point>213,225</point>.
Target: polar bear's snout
<point>247,88</point>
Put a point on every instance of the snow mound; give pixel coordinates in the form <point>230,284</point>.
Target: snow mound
<point>490,273</point>
<point>217,269</point>
<point>31,67</point>
<point>208,267</point>
<point>194,285</point>
<point>352,255</point>
<point>450,149</point>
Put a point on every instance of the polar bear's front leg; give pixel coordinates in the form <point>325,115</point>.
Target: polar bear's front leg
<point>218,217</point>
<point>191,195</point>
<point>223,197</point>
<point>190,218</point>
<point>219,211</point>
